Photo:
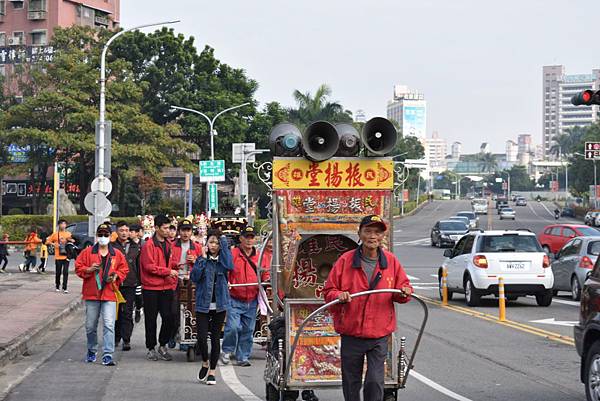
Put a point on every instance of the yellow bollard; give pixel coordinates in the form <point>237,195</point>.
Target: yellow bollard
<point>444,287</point>
<point>501,300</point>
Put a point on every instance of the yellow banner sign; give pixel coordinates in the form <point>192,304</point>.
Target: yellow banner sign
<point>333,174</point>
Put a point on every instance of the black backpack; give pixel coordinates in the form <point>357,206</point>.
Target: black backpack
<point>71,250</point>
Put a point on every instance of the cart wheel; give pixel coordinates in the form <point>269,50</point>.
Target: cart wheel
<point>390,395</point>
<point>191,354</point>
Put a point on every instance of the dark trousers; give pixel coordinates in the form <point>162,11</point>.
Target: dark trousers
<point>209,322</point>
<point>42,265</point>
<point>124,324</point>
<point>62,268</point>
<point>157,302</point>
<point>139,300</point>
<point>4,259</point>
<point>353,354</point>
<point>30,260</point>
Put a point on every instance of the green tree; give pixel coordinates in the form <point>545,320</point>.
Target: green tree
<point>408,147</point>
<point>311,108</point>
<point>519,179</point>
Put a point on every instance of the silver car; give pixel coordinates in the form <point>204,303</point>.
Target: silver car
<point>507,213</point>
<point>573,262</point>
<point>473,219</point>
<point>462,219</point>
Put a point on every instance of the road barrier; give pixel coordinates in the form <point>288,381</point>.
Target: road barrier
<point>501,300</point>
<point>444,287</point>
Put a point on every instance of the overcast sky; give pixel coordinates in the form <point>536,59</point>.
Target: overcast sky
<point>479,63</point>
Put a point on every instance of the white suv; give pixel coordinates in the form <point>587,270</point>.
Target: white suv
<point>479,258</point>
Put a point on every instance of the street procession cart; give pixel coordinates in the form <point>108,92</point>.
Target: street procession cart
<point>317,203</point>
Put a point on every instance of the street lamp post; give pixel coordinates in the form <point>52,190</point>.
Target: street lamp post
<point>595,181</point>
<point>244,172</point>
<point>102,112</point>
<point>211,125</point>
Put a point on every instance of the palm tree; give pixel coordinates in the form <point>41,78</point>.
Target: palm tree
<point>562,144</point>
<point>488,162</point>
<point>318,107</point>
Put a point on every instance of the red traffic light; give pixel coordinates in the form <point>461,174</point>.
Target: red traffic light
<point>586,98</point>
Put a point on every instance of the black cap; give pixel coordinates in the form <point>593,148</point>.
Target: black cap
<point>372,220</point>
<point>104,227</point>
<point>248,231</point>
<point>185,223</point>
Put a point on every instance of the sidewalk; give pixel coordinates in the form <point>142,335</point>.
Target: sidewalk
<point>30,306</point>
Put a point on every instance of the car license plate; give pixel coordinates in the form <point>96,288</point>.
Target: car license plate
<point>455,237</point>
<point>515,266</point>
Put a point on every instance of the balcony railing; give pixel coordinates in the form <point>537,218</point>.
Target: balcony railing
<point>101,20</point>
<point>36,14</point>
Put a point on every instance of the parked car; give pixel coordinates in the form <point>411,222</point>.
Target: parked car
<point>521,202</point>
<point>587,333</point>
<point>478,258</point>
<point>555,236</point>
<point>447,232</point>
<point>567,212</point>
<point>501,203</point>
<point>79,232</point>
<point>473,219</point>
<point>590,218</point>
<point>502,207</point>
<point>507,213</point>
<point>573,262</point>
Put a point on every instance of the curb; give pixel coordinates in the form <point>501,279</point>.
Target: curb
<point>414,211</point>
<point>22,344</point>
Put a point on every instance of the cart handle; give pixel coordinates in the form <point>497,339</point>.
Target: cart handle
<point>359,294</point>
<point>260,270</point>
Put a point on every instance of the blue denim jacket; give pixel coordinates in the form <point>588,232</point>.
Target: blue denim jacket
<point>203,275</point>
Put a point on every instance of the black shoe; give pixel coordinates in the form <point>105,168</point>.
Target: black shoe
<point>126,347</point>
<point>203,374</point>
<point>210,380</point>
<point>138,315</point>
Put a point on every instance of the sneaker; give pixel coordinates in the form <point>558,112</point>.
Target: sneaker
<point>108,361</point>
<point>203,374</point>
<point>164,354</point>
<point>2,271</point>
<point>210,380</point>
<point>138,315</point>
<point>57,290</point>
<point>91,357</point>
<point>65,291</point>
<point>225,358</point>
<point>21,266</point>
<point>244,364</point>
<point>126,347</point>
<point>152,355</point>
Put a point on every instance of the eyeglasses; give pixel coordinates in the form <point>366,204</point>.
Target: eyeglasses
<point>106,235</point>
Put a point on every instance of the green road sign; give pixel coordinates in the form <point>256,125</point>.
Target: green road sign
<point>213,197</point>
<point>212,170</point>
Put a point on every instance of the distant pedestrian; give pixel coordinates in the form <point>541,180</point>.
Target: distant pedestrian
<point>31,243</point>
<point>43,255</point>
<point>158,281</point>
<point>59,239</point>
<point>212,300</point>
<point>131,250</point>
<point>136,233</point>
<point>103,269</point>
<point>4,252</point>
<point>172,233</point>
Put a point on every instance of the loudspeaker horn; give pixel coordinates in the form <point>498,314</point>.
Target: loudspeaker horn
<point>349,140</point>
<point>320,141</point>
<point>379,136</point>
<point>285,139</point>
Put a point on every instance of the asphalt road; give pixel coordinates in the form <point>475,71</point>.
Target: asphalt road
<point>465,353</point>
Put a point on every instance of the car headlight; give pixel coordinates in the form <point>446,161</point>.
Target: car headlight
<point>445,236</point>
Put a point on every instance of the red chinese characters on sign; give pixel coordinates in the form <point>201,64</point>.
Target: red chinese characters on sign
<point>335,202</point>
<point>333,176</point>
<point>313,174</point>
<point>354,176</point>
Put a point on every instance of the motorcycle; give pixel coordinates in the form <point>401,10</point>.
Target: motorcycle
<point>556,214</point>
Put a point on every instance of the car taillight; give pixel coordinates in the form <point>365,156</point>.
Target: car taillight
<point>546,261</point>
<point>586,263</point>
<point>480,261</point>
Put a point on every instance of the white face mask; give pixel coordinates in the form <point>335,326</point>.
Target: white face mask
<point>103,241</point>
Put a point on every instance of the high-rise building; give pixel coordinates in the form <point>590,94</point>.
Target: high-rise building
<point>359,116</point>
<point>558,112</point>
<point>26,27</point>
<point>512,150</point>
<point>435,152</point>
<point>456,150</point>
<point>409,109</point>
<point>524,142</point>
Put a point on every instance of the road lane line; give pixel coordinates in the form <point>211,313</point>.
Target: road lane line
<point>548,210</point>
<point>438,387</point>
<point>413,278</point>
<point>232,381</point>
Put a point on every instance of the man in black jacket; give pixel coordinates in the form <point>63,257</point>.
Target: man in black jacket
<point>131,250</point>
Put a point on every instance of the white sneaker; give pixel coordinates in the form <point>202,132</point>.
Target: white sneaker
<point>65,291</point>
<point>225,358</point>
<point>57,290</point>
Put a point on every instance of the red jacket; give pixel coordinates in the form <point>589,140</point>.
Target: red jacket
<point>244,273</point>
<point>155,272</point>
<point>370,316</point>
<point>115,262</point>
<point>195,249</point>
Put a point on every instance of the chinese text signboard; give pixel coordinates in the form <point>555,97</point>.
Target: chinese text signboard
<point>333,174</point>
<point>26,54</point>
<point>332,202</point>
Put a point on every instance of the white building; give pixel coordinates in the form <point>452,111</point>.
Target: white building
<point>558,112</point>
<point>435,152</point>
<point>409,109</point>
<point>512,151</point>
<point>456,150</point>
<point>485,148</point>
<point>359,116</point>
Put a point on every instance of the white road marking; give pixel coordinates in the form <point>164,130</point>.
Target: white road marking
<point>413,242</point>
<point>416,287</point>
<point>232,381</point>
<point>553,321</point>
<point>398,231</point>
<point>438,387</point>
<point>413,278</point>
<point>434,275</point>
<point>548,210</point>
<point>560,301</point>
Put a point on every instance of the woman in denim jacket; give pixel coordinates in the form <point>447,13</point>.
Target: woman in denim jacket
<point>212,300</point>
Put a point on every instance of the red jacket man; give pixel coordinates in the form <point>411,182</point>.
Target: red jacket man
<point>115,264</point>
<point>366,322</point>
<point>155,272</point>
<point>244,271</point>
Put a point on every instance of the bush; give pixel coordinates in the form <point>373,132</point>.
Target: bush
<point>15,211</point>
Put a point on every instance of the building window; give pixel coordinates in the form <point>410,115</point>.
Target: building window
<point>18,38</point>
<point>17,5</point>
<point>38,38</point>
<point>2,39</point>
<point>37,5</point>
<point>2,7</point>
<point>3,70</point>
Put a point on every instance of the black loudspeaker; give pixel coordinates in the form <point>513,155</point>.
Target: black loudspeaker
<point>379,136</point>
<point>285,139</point>
<point>349,140</point>
<point>320,141</point>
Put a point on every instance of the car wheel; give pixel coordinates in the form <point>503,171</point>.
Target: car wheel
<point>575,289</point>
<point>544,298</point>
<point>432,242</point>
<point>546,249</point>
<point>450,293</point>
<point>591,376</point>
<point>512,297</point>
<point>472,297</point>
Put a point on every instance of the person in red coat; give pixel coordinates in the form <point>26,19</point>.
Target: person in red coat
<point>365,322</point>
<point>102,269</point>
